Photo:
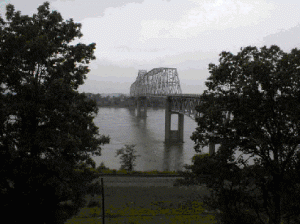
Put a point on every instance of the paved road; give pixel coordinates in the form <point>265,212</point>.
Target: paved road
<point>138,181</point>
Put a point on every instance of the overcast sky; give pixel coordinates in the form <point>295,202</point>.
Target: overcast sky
<point>183,34</point>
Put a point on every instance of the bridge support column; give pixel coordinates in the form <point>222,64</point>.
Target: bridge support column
<point>173,135</point>
<point>180,127</point>
<point>167,120</point>
<point>141,106</point>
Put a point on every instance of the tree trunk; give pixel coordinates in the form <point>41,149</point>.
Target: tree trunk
<point>276,219</point>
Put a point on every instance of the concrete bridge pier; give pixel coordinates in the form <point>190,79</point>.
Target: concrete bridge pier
<point>173,135</point>
<point>141,106</point>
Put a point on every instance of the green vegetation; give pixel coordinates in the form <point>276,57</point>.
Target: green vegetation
<point>127,156</point>
<point>147,205</point>
<point>161,212</point>
<point>252,107</point>
<point>46,125</point>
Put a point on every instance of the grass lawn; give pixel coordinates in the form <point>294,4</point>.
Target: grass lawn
<point>147,205</point>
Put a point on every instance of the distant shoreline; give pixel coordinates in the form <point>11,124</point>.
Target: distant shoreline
<point>141,175</point>
<point>127,106</point>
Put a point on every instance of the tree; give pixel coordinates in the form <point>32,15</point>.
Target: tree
<point>252,107</point>
<point>102,167</point>
<point>127,157</point>
<point>46,128</point>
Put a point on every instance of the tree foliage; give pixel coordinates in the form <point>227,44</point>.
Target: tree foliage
<point>46,127</point>
<point>252,107</point>
<point>127,157</point>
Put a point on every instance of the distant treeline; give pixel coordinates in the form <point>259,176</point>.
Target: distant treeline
<point>122,101</point>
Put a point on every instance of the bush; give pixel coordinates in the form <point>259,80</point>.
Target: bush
<point>127,157</point>
<point>101,167</point>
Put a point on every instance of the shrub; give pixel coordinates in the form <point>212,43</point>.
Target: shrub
<point>127,157</point>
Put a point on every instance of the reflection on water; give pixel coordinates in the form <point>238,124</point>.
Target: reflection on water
<point>173,156</point>
<point>124,127</point>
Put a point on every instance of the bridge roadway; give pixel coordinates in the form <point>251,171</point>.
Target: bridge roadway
<point>181,95</point>
<point>178,103</point>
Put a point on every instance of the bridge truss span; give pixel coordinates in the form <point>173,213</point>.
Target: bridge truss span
<point>158,81</point>
<point>185,104</point>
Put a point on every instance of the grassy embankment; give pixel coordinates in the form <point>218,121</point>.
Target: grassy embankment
<point>146,204</point>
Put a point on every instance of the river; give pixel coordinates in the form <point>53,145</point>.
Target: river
<point>124,127</point>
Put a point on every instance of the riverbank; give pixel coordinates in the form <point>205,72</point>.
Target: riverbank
<point>153,173</point>
<point>140,175</point>
<point>138,181</point>
<point>153,180</point>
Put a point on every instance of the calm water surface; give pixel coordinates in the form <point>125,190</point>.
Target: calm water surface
<point>123,127</point>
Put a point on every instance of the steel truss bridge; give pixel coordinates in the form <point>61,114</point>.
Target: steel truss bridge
<point>164,82</point>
